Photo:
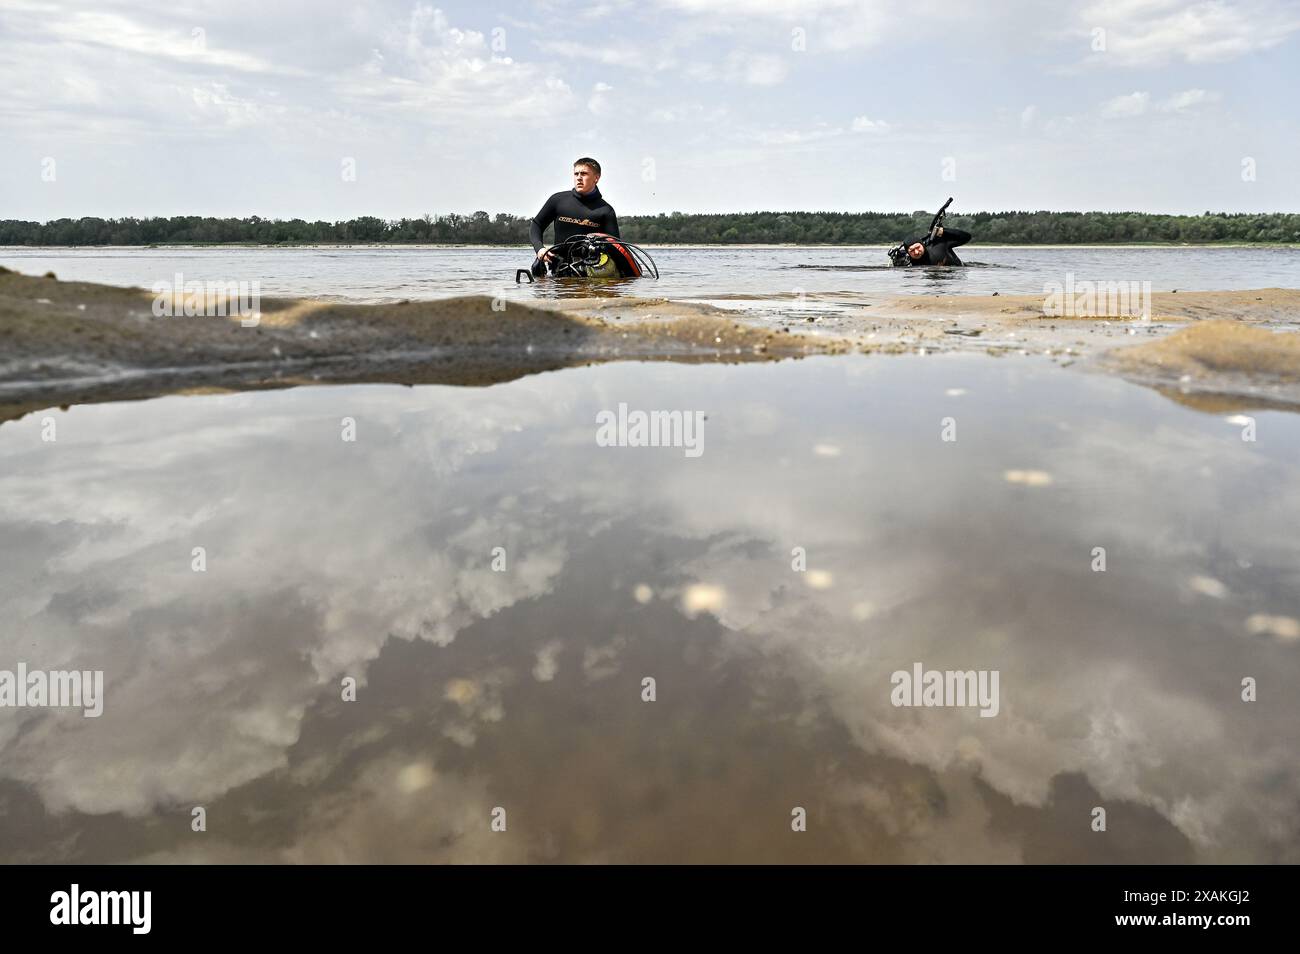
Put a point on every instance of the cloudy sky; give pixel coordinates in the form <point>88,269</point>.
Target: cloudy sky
<point>239,107</point>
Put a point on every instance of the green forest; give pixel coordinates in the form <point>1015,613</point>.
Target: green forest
<point>732,228</point>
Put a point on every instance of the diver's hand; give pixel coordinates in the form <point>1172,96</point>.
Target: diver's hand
<point>545,255</point>
<point>938,233</point>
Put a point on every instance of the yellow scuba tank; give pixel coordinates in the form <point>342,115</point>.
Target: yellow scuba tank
<point>604,267</point>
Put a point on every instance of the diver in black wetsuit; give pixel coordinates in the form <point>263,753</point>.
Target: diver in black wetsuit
<point>939,251</point>
<point>580,211</point>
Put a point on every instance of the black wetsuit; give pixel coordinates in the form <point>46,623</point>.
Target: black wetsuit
<point>940,251</point>
<point>573,214</point>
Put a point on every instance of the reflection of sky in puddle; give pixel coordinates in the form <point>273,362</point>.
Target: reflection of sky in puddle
<point>522,688</point>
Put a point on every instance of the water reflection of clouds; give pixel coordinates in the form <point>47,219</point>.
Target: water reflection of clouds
<point>1126,682</point>
<point>316,561</point>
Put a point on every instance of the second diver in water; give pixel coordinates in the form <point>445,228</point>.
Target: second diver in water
<point>939,250</point>
<point>937,247</point>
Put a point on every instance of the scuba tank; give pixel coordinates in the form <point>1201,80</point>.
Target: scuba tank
<point>596,255</point>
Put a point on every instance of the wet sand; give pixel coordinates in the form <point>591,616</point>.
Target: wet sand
<point>74,342</point>
<point>77,342</point>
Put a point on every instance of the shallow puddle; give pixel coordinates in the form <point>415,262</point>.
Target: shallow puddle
<point>501,586</point>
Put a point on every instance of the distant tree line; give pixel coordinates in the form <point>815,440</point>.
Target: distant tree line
<point>731,228</point>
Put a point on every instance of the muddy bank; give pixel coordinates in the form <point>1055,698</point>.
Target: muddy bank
<point>76,342</point>
<point>1256,304</point>
<point>1217,366</point>
<point>996,323</point>
<point>1218,351</point>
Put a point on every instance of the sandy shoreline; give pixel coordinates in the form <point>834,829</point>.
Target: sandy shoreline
<point>74,342</point>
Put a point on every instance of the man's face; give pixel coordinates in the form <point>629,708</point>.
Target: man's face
<point>585,179</point>
<point>915,251</point>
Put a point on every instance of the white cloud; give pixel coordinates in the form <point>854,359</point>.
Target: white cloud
<point>120,33</point>
<point>769,9</point>
<point>1150,33</point>
<point>822,131</point>
<point>131,77</point>
<point>623,55</point>
<point>598,102</point>
<point>833,24</point>
<point>863,124</point>
<point>1139,103</point>
<point>741,67</point>
<point>1188,99</point>
<point>687,112</point>
<point>435,73</point>
<point>216,104</point>
<point>756,70</point>
<point>419,93</point>
<point>1132,104</point>
<point>787,137</point>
